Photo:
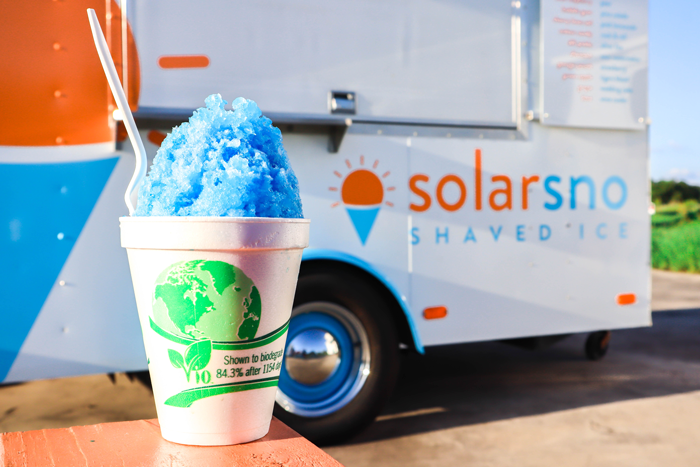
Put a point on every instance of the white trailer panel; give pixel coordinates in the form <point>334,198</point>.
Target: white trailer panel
<point>423,60</point>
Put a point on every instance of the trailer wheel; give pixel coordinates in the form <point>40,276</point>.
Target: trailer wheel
<point>597,344</point>
<point>341,359</point>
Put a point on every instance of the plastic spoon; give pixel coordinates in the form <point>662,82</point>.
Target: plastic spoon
<point>118,93</point>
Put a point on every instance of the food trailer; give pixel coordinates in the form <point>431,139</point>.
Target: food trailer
<point>472,171</point>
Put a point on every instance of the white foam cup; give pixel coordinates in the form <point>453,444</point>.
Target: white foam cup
<point>214,296</point>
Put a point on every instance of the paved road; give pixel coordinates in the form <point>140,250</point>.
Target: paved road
<point>674,290</point>
<point>491,404</point>
<point>485,404</point>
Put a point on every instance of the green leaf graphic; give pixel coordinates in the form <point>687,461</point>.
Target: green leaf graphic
<point>197,355</point>
<point>176,359</point>
<point>188,397</point>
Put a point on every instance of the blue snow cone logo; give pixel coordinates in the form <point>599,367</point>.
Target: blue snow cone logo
<point>362,193</point>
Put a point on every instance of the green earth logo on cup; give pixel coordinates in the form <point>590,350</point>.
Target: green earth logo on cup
<point>205,301</point>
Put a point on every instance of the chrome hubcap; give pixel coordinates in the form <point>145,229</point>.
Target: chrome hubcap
<point>327,360</point>
<point>312,357</point>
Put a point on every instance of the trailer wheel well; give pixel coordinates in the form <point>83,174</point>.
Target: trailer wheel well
<point>395,311</point>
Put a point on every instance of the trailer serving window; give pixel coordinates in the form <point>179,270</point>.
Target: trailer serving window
<point>413,62</point>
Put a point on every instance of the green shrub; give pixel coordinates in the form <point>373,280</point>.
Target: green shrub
<point>673,208</point>
<point>666,219</point>
<point>691,209</point>
<point>676,248</point>
<point>667,191</point>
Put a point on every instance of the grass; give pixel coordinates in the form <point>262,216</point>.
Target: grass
<point>675,237</point>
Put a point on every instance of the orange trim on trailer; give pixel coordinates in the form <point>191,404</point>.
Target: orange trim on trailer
<point>156,137</point>
<point>626,299</point>
<point>52,86</point>
<point>183,61</point>
<point>435,312</point>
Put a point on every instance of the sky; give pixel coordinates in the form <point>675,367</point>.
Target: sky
<point>674,94</point>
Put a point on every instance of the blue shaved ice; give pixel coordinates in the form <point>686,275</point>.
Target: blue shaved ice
<point>222,163</point>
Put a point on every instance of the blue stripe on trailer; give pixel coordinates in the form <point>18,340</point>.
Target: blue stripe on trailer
<point>44,208</point>
<point>311,254</point>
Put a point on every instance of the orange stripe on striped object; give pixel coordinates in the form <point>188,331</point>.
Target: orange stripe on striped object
<point>626,299</point>
<point>435,312</point>
<point>183,61</point>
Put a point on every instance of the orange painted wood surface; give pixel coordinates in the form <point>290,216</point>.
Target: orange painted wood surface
<point>132,444</point>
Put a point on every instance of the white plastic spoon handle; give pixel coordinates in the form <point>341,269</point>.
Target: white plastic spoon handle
<point>118,93</point>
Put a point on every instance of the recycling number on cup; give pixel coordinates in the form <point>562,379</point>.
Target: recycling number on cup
<point>198,355</point>
<point>214,310</point>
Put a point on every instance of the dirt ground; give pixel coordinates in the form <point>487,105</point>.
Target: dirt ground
<point>485,404</point>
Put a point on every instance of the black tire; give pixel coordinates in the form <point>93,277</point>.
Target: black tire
<point>597,345</point>
<point>344,289</point>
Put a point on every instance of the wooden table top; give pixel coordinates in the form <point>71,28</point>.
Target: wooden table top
<point>139,443</point>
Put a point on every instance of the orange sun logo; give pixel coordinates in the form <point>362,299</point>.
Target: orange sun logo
<point>362,192</point>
